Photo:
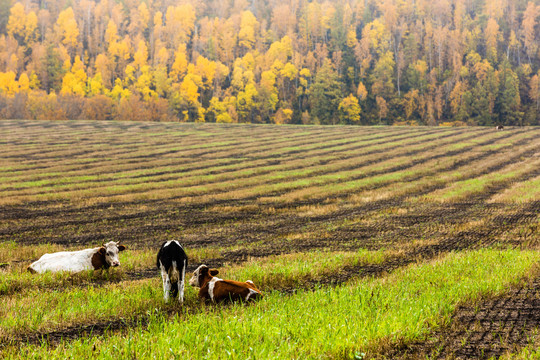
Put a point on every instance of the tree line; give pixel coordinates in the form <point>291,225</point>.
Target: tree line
<point>416,62</point>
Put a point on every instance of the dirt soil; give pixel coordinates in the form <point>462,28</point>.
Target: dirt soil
<point>487,330</point>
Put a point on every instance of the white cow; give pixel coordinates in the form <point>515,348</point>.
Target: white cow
<point>97,258</point>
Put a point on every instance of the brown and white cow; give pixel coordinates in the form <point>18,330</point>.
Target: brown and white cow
<point>218,290</point>
<point>97,258</point>
<point>499,127</point>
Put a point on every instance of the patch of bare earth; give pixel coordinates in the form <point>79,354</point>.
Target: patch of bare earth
<point>488,330</point>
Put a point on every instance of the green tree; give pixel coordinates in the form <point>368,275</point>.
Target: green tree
<point>325,94</point>
<point>508,101</point>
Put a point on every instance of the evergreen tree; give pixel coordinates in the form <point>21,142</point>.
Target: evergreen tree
<point>325,95</point>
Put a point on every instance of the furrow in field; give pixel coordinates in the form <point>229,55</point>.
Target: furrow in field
<point>189,154</point>
<point>130,189</point>
<point>407,154</point>
<point>175,221</point>
<point>291,224</point>
<point>186,167</point>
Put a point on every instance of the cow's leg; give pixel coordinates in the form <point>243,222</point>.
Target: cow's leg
<point>181,284</point>
<point>166,283</point>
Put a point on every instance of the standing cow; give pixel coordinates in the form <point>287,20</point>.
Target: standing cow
<point>172,261</point>
<point>218,290</point>
<point>89,259</point>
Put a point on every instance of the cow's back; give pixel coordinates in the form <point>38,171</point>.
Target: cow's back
<point>72,261</point>
<point>230,290</point>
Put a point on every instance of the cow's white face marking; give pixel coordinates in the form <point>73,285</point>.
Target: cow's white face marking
<point>111,253</point>
<point>194,281</point>
<point>251,291</point>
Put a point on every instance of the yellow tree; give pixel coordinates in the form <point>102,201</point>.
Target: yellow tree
<point>104,67</point>
<point>179,24</point>
<point>410,102</point>
<point>22,26</point>
<point>206,69</point>
<point>68,29</point>
<point>279,50</point>
<point>492,36</point>
<point>74,81</point>
<point>534,92</point>
<point>140,58</point>
<point>179,67</point>
<point>349,110</point>
<point>223,111</point>
<point>118,91</point>
<point>8,83</point>
<point>185,97</point>
<point>24,83</point>
<point>95,85</point>
<point>144,83</point>
<point>111,37</point>
<point>268,94</point>
<point>17,21</point>
<point>283,116</point>
<point>361,91</point>
<point>248,28</point>
<point>382,107</point>
<point>31,26</point>
<point>139,19</point>
<point>246,102</point>
<point>351,38</point>
<point>190,88</point>
<point>529,29</point>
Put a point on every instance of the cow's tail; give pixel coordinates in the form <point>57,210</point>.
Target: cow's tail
<point>174,274</point>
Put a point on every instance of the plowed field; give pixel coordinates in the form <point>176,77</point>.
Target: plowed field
<point>238,194</point>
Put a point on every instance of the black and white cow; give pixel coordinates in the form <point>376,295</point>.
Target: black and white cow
<point>96,258</point>
<point>172,261</point>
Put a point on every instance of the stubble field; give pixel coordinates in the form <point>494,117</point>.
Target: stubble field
<point>368,242</point>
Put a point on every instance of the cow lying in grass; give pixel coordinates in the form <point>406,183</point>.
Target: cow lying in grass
<point>219,290</point>
<point>172,261</point>
<point>74,261</point>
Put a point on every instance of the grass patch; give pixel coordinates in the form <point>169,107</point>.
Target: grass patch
<point>292,270</point>
<point>360,317</point>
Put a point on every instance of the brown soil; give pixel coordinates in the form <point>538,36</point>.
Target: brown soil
<point>487,330</point>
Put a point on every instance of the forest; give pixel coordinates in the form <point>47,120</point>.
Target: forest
<point>363,62</point>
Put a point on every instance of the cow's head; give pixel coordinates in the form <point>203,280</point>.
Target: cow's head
<point>110,251</point>
<point>200,274</point>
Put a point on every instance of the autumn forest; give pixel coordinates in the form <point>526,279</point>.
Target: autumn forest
<point>396,62</point>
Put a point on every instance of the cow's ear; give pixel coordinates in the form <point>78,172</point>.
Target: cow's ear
<point>121,248</point>
<point>102,251</point>
<point>214,272</point>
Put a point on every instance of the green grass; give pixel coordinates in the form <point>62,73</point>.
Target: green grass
<point>523,192</point>
<point>292,270</point>
<point>20,289</point>
<point>465,188</point>
<point>360,317</point>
